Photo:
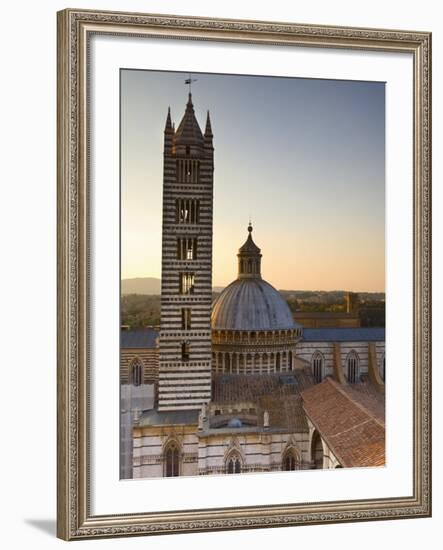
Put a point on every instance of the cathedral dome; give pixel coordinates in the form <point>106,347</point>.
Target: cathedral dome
<point>249,303</point>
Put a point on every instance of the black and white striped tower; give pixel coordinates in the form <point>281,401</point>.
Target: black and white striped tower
<point>186,294</point>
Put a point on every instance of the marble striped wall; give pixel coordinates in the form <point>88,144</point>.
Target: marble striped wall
<point>185,352</point>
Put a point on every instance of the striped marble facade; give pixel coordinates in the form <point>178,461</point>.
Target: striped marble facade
<point>146,358</point>
<point>325,354</point>
<point>186,292</point>
<point>208,454</point>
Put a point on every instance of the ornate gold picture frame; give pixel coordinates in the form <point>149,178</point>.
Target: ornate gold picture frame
<point>75,518</point>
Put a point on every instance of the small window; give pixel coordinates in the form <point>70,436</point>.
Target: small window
<point>186,248</point>
<point>317,366</point>
<point>137,373</point>
<point>186,283</point>
<point>185,351</point>
<point>188,150</point>
<point>233,464</point>
<point>172,460</point>
<point>186,318</point>
<point>352,368</point>
<point>187,169</point>
<point>290,461</point>
<point>187,211</point>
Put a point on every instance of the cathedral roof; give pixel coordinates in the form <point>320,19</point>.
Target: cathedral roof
<point>344,334</point>
<point>278,394</point>
<point>251,304</point>
<point>358,439</point>
<point>141,338</point>
<point>188,131</point>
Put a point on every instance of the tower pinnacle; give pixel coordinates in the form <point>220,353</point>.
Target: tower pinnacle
<point>208,129</point>
<point>168,125</point>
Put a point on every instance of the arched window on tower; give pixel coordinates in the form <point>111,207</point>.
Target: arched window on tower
<point>172,459</point>
<point>318,366</point>
<point>277,362</point>
<point>186,351</point>
<point>352,370</point>
<point>137,372</point>
<point>291,460</point>
<point>233,463</point>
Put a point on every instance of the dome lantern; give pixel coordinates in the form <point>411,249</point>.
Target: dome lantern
<point>249,258</point>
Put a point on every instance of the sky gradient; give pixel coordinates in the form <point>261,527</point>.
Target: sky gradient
<point>304,158</point>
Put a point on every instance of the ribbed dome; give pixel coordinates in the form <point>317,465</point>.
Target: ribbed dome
<point>251,304</point>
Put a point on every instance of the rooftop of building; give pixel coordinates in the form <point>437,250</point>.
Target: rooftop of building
<point>167,418</point>
<point>232,388</point>
<point>325,315</point>
<point>140,338</point>
<point>278,394</point>
<point>350,418</point>
<point>357,334</point>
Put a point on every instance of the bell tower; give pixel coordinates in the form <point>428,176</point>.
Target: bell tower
<point>186,290</point>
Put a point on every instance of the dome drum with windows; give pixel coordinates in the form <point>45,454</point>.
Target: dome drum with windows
<point>253,331</point>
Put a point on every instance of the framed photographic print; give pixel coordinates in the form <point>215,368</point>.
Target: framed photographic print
<point>243,274</point>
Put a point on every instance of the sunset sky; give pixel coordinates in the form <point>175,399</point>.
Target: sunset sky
<point>303,158</point>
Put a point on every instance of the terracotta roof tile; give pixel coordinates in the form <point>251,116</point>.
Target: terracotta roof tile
<point>279,394</point>
<point>350,419</point>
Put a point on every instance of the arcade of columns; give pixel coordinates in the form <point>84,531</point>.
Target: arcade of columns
<point>254,352</point>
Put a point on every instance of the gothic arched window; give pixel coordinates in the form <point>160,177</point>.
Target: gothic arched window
<point>318,366</point>
<point>290,460</point>
<point>137,372</point>
<point>317,451</point>
<point>172,459</point>
<point>233,464</point>
<point>352,373</point>
<point>383,368</point>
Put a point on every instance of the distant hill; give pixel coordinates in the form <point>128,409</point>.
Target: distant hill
<point>148,286</point>
<point>141,285</point>
<point>152,286</point>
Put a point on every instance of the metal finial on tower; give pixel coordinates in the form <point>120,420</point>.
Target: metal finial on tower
<point>189,82</point>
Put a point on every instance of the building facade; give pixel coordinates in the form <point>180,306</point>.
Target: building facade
<point>238,383</point>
